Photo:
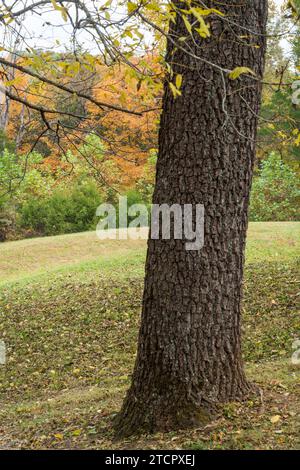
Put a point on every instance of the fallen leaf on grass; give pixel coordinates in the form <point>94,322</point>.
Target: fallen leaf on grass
<point>274,419</point>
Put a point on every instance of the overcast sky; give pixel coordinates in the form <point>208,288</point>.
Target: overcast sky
<point>57,35</point>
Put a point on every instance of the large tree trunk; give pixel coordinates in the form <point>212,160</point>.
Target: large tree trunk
<point>189,351</point>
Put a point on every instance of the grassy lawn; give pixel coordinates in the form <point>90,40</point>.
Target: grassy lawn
<point>69,309</point>
<point>27,260</point>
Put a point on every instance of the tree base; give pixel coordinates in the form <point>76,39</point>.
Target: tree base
<point>142,422</point>
<point>143,417</point>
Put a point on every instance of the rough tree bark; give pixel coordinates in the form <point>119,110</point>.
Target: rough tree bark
<point>189,349</point>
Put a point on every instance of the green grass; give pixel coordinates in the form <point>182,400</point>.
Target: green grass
<point>27,260</point>
<point>70,319</point>
<point>35,259</point>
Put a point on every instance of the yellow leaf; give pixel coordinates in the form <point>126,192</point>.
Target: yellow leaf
<point>174,90</point>
<point>131,7</point>
<point>203,30</point>
<point>15,81</point>
<point>63,10</point>
<point>178,81</point>
<point>58,436</point>
<point>123,98</point>
<point>77,432</point>
<point>291,4</point>
<point>187,24</point>
<point>204,12</point>
<point>128,33</point>
<point>55,5</point>
<point>235,73</point>
<point>274,419</point>
<point>152,7</point>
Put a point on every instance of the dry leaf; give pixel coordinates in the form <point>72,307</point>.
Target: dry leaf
<point>274,419</point>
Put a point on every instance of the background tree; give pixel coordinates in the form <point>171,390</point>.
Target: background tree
<point>275,193</point>
<point>280,118</point>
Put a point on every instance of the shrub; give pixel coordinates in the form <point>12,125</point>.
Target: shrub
<point>66,211</point>
<point>7,219</point>
<point>133,197</point>
<point>9,177</point>
<point>81,209</point>
<point>145,184</point>
<point>275,192</point>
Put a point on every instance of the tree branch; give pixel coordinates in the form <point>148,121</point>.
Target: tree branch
<point>100,104</point>
<point>40,109</point>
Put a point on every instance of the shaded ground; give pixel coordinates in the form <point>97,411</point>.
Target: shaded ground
<point>71,346</point>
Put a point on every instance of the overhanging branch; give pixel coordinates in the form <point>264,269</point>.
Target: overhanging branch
<point>100,104</point>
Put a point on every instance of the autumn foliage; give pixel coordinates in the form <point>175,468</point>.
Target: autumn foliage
<point>127,138</point>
